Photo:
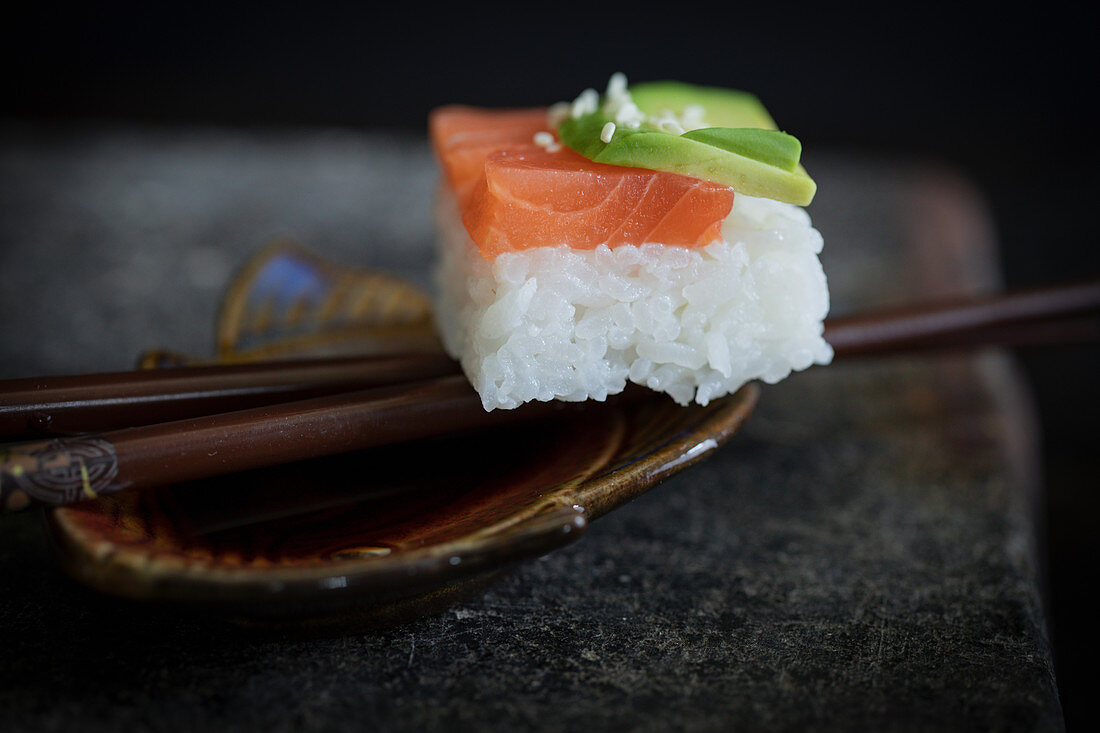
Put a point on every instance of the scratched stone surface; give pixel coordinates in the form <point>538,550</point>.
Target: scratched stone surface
<point>861,556</point>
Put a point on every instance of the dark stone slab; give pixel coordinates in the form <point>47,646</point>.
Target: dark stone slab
<point>860,557</point>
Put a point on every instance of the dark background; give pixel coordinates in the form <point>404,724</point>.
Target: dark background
<point>1005,96</point>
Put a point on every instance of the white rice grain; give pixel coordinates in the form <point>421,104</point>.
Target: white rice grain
<point>559,323</point>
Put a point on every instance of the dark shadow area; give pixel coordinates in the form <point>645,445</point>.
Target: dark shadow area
<point>1002,96</point>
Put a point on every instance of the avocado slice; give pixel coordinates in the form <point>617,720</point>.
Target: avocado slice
<point>725,107</point>
<point>768,146</point>
<point>753,161</point>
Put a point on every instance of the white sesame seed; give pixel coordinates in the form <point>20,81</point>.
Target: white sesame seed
<point>543,138</point>
<point>586,103</point>
<point>558,112</point>
<point>607,132</point>
<point>628,112</point>
<point>668,124</point>
<point>591,99</point>
<point>616,85</point>
<point>693,117</point>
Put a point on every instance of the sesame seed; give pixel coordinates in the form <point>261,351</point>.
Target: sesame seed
<point>617,84</point>
<point>627,113</point>
<point>607,132</point>
<point>558,112</point>
<point>587,102</point>
<point>669,124</point>
<point>693,117</point>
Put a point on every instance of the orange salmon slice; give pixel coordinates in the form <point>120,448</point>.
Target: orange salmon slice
<point>514,195</point>
<point>464,137</point>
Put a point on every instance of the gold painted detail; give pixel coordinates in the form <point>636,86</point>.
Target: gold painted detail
<point>57,471</point>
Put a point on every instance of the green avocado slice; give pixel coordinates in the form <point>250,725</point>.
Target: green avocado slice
<point>767,146</point>
<point>725,107</point>
<point>754,162</point>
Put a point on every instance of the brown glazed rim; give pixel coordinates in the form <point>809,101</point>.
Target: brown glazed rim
<point>556,521</point>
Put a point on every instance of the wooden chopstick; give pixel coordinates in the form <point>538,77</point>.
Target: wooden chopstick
<point>68,405</point>
<point>58,406</point>
<point>68,470</point>
<point>1084,329</point>
<point>1040,315</point>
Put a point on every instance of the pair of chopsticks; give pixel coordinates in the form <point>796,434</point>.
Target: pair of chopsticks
<point>151,428</point>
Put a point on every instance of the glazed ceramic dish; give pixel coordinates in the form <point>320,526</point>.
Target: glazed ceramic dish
<point>382,535</point>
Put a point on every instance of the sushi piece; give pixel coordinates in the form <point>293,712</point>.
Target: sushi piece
<point>653,235</point>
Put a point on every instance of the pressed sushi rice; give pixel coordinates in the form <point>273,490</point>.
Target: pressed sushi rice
<point>554,322</point>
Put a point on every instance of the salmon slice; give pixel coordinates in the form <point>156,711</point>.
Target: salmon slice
<point>514,195</point>
<point>464,137</point>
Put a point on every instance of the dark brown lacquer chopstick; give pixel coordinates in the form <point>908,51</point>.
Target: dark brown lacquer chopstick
<point>48,406</point>
<point>68,405</point>
<point>68,470</point>
<point>1067,313</point>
